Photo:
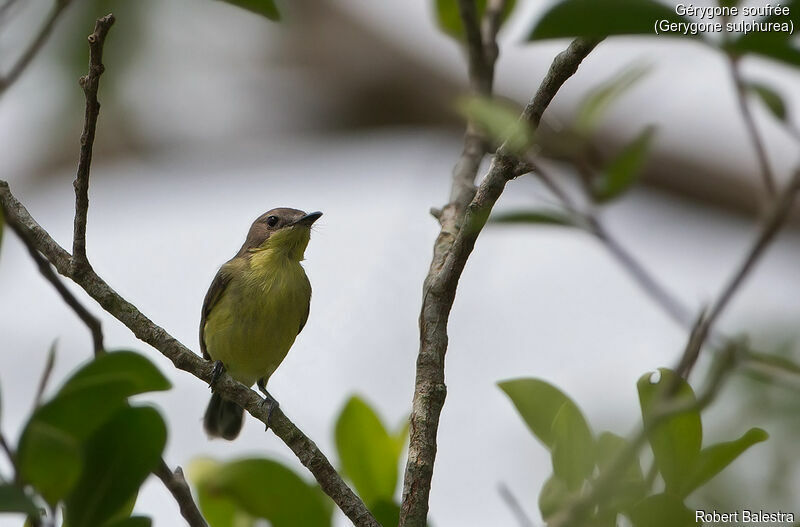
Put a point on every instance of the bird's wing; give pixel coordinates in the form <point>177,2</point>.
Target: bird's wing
<point>308,307</point>
<point>218,285</point>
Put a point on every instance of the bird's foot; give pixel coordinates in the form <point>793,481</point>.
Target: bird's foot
<point>216,373</point>
<point>268,401</point>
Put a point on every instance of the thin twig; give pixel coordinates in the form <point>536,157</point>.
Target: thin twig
<point>90,83</point>
<point>91,322</point>
<point>19,219</point>
<point>755,138</point>
<point>462,222</point>
<point>772,225</point>
<point>48,370</point>
<point>177,486</point>
<point>34,47</point>
<point>514,506</point>
<point>9,454</point>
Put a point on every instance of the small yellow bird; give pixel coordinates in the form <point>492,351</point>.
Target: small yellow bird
<point>256,306</point>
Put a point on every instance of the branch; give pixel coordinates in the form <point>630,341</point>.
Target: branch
<point>35,46</point>
<point>177,486</point>
<point>750,124</point>
<point>772,225</point>
<point>461,222</point>
<point>90,83</point>
<point>144,329</point>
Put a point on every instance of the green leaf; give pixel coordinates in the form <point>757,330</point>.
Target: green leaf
<point>623,171</point>
<point>715,458</point>
<point>553,496</point>
<point>265,8</point>
<point>449,18</point>
<point>596,103</point>
<point>118,458</point>
<point>133,521</point>
<point>630,487</point>
<point>542,217</point>
<point>386,512</point>
<point>14,499</point>
<point>771,99</point>
<point>538,402</point>
<point>573,446</point>
<point>662,510</point>
<point>263,489</point>
<point>50,442</point>
<point>49,459</point>
<point>597,19</point>
<point>369,455</point>
<point>676,441</point>
<point>499,120</point>
<point>218,510</point>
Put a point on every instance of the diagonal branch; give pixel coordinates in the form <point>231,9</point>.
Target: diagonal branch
<point>90,83</point>
<point>184,359</point>
<point>177,486</point>
<point>462,220</point>
<point>34,47</point>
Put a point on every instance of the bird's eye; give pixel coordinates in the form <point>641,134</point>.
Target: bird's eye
<point>272,221</point>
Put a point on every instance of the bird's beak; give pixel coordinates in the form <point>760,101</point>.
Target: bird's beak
<point>308,219</point>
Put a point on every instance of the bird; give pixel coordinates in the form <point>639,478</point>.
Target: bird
<point>257,304</point>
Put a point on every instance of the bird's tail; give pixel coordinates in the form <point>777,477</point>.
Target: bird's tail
<point>223,418</point>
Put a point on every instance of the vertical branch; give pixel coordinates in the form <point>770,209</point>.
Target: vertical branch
<point>90,83</point>
<point>750,124</point>
<point>461,222</point>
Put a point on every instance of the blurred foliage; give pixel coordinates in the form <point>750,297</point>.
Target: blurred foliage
<point>771,99</point>
<point>499,121</point>
<point>87,449</point>
<point>623,170</point>
<point>449,18</point>
<point>265,8</point>
<point>240,492</point>
<point>582,461</point>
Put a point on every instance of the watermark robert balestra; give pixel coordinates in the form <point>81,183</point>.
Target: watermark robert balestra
<point>743,516</point>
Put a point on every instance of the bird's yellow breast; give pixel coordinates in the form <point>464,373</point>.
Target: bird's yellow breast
<point>257,318</point>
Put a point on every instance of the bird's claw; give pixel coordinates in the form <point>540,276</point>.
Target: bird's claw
<point>216,373</point>
<point>267,401</point>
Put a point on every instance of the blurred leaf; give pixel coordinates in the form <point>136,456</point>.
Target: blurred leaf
<point>662,510</point>
<point>573,446</point>
<point>499,121</point>
<point>543,216</point>
<point>553,496</point>
<point>728,3</point>
<point>50,442</point>
<point>49,459</point>
<point>261,488</point>
<point>449,18</point>
<point>368,453</point>
<point>676,441</point>
<point>2,225</point>
<point>118,458</point>
<point>776,45</point>
<point>771,99</point>
<point>265,8</point>
<point>715,458</point>
<point>538,402</point>
<point>590,18</point>
<point>133,521</point>
<point>14,499</point>
<point>596,103</point>
<point>623,171</point>
<point>386,512</point>
<point>629,487</point>
<point>218,510</point>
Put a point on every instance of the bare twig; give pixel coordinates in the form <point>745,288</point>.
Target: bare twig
<point>34,47</point>
<point>92,322</point>
<point>513,504</point>
<point>750,124</point>
<point>307,452</point>
<point>90,83</point>
<point>772,225</point>
<point>177,486</point>
<point>462,220</point>
<point>48,370</point>
<point>9,454</point>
